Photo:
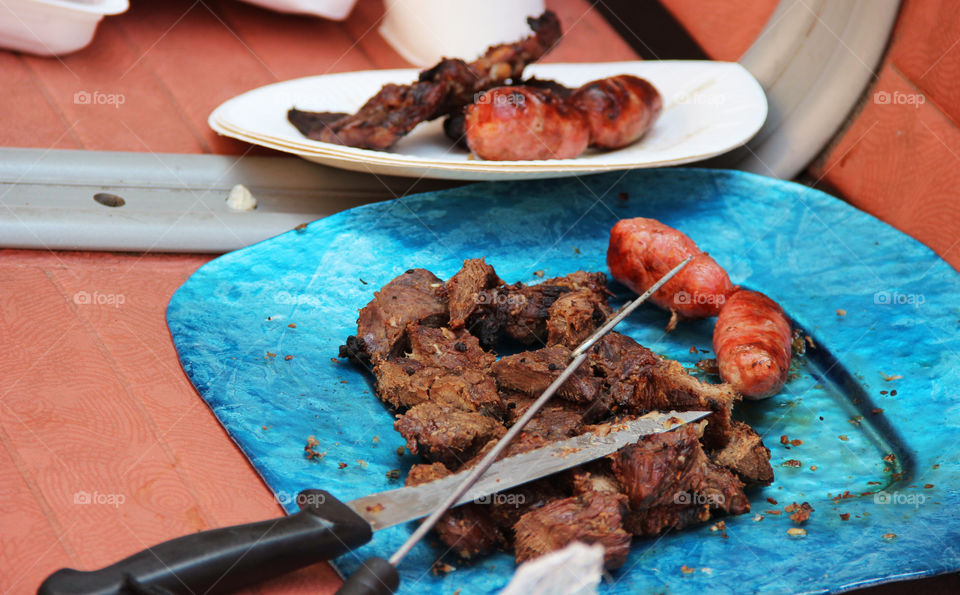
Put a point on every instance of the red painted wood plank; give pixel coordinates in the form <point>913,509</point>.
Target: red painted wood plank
<point>37,122</point>
<point>199,60</point>
<point>926,49</point>
<point>292,46</point>
<point>28,539</point>
<point>114,108</point>
<point>78,426</point>
<point>898,161</point>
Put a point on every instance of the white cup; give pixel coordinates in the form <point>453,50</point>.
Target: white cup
<point>424,31</point>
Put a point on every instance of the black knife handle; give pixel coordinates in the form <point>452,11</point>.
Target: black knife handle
<point>222,560</point>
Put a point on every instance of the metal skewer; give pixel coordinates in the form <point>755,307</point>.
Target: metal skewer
<point>577,357</point>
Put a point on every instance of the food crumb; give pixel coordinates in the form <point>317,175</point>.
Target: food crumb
<point>694,350</point>
<point>440,568</point>
<point>393,474</point>
<point>889,536</point>
<point>893,393</point>
<point>399,451</point>
<point>792,463</point>
<point>773,512</point>
<point>796,442</point>
<point>891,378</point>
<point>843,437</point>
<point>841,312</point>
<point>801,513</point>
<point>375,440</point>
<point>287,357</point>
<point>813,467</point>
<point>719,526</point>
<point>796,532</point>
<point>342,465</point>
<point>292,325</point>
<point>876,411</point>
<point>772,500</point>
<point>375,508</point>
<point>271,354</point>
<point>845,516</point>
<point>687,570</point>
<point>784,439</point>
<point>362,463</point>
<point>757,518</point>
<point>301,227</point>
<point>538,274</point>
<point>927,486</point>
<point>310,450</point>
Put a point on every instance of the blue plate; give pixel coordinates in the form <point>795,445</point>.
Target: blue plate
<point>876,403</point>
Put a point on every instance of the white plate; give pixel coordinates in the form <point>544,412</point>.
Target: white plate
<point>709,109</point>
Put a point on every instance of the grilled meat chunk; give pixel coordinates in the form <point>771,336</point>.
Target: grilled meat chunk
<point>473,294</point>
<point>532,372</point>
<point>640,381</point>
<point>745,455</point>
<point>669,482</point>
<point>442,366</point>
<point>574,316</point>
<point>416,296</point>
<point>596,517</point>
<point>446,435</point>
<point>396,109</point>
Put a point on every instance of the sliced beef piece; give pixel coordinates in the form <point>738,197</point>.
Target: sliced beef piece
<point>532,372</point>
<point>452,350</point>
<point>524,310</point>
<point>447,435</point>
<point>575,316</point>
<point>416,296</point>
<point>441,366</point>
<point>469,294</point>
<point>507,507</point>
<point>654,521</point>
<point>596,476</point>
<point>515,403</point>
<point>670,483</point>
<point>469,530</point>
<point>424,473</point>
<point>662,469</point>
<point>593,518</point>
<point>745,455</point>
<point>595,282</point>
<point>639,381</point>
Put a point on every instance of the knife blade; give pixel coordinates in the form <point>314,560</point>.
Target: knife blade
<point>393,507</point>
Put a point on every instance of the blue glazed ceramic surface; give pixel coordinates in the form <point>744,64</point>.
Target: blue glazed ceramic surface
<point>882,310</point>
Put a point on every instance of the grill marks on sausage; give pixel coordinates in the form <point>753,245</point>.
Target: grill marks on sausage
<point>428,345</point>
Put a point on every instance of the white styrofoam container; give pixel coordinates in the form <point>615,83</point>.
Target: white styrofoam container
<point>53,27</point>
<point>335,10</point>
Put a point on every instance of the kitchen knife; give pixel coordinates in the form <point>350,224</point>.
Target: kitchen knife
<point>221,560</point>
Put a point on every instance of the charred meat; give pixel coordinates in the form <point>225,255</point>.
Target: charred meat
<point>396,109</point>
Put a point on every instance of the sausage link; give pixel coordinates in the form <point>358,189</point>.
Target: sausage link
<point>524,123</point>
<point>643,250</point>
<point>752,343</point>
<point>619,109</point>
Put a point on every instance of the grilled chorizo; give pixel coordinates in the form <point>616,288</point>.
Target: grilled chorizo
<point>752,343</point>
<point>524,123</point>
<point>643,250</point>
<point>618,109</point>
